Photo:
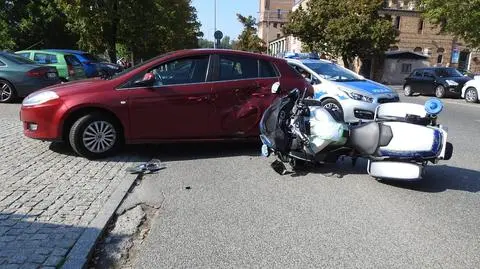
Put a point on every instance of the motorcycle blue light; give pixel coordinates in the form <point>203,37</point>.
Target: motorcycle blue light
<point>433,106</point>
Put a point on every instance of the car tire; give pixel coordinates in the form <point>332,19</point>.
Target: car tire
<point>407,90</point>
<point>7,92</point>
<point>440,91</point>
<point>334,107</point>
<point>95,136</point>
<point>471,95</point>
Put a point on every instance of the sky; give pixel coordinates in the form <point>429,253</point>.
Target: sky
<point>226,15</point>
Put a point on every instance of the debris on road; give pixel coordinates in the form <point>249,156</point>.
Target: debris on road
<point>150,167</point>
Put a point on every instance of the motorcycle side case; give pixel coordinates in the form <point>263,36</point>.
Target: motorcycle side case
<point>395,170</point>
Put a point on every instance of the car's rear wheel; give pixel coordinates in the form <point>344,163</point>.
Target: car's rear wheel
<point>95,136</point>
<point>471,95</point>
<point>7,92</point>
<point>333,106</point>
<point>440,91</point>
<point>407,90</point>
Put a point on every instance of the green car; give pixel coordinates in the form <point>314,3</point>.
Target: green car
<point>68,66</point>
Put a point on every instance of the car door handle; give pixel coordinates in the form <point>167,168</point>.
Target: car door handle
<point>258,94</point>
<point>197,99</point>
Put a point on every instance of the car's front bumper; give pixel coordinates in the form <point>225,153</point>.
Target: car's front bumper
<point>43,121</point>
<point>354,110</point>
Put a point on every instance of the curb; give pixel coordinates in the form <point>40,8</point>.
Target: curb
<point>79,255</point>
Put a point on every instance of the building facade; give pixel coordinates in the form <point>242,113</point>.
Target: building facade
<point>272,16</point>
<point>415,35</point>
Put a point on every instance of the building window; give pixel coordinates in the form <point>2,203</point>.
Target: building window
<point>397,22</point>
<point>275,25</point>
<point>279,13</point>
<point>440,50</point>
<point>420,26</point>
<point>406,68</point>
<point>267,4</point>
<point>418,50</point>
<point>440,59</point>
<point>278,35</point>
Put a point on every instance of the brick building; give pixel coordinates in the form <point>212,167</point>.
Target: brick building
<point>416,35</point>
<point>273,15</point>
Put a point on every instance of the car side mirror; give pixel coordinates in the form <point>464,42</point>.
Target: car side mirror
<point>147,80</point>
<point>276,87</point>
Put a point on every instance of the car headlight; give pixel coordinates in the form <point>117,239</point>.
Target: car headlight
<point>357,96</point>
<point>451,82</point>
<point>39,98</point>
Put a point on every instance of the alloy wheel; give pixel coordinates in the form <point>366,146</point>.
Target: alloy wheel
<point>5,92</point>
<point>471,95</point>
<point>332,107</point>
<point>99,136</point>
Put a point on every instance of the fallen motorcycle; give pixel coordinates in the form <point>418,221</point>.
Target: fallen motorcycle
<point>401,140</point>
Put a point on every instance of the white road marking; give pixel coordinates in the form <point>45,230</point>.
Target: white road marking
<point>463,104</point>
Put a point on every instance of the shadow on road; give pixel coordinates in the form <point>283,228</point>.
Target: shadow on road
<point>440,178</point>
<point>175,151</point>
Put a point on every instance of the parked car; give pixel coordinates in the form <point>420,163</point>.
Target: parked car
<point>69,68</point>
<point>93,65</point>
<point>352,96</point>
<point>470,90</point>
<point>182,95</point>
<point>440,81</point>
<point>20,77</point>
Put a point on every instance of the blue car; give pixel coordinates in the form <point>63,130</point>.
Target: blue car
<point>92,65</point>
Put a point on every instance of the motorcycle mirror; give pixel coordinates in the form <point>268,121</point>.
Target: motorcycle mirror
<point>276,87</point>
<point>433,106</point>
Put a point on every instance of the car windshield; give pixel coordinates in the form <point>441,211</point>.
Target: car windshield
<point>17,59</point>
<point>448,72</point>
<point>334,72</point>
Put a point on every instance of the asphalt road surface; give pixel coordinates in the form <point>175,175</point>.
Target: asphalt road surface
<point>239,213</point>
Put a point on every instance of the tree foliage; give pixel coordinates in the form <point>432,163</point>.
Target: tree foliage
<point>458,17</point>
<point>225,43</point>
<point>248,39</point>
<point>347,28</point>
<point>142,28</point>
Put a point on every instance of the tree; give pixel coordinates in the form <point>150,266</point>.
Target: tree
<point>458,17</point>
<point>6,40</point>
<point>35,22</point>
<point>205,43</point>
<point>348,28</point>
<point>225,43</point>
<point>248,39</point>
<point>146,28</point>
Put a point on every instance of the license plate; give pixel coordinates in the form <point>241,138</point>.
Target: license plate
<point>51,75</point>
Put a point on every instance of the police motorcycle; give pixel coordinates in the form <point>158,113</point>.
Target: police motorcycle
<point>401,140</point>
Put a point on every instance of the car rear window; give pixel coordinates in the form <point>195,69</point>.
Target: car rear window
<point>267,70</point>
<point>25,54</point>
<point>235,67</point>
<point>17,59</point>
<point>72,60</point>
<point>44,58</point>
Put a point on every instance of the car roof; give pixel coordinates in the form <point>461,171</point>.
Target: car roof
<point>68,51</point>
<point>188,52</point>
<point>43,51</point>
<point>307,61</point>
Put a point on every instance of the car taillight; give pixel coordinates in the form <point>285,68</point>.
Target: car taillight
<point>71,71</point>
<point>38,72</point>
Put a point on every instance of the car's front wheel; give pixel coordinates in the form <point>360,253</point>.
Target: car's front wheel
<point>95,136</point>
<point>471,95</point>
<point>333,106</point>
<point>440,91</point>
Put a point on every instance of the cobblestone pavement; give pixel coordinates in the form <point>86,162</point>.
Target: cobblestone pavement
<point>47,199</point>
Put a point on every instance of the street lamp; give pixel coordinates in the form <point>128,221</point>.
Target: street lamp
<point>214,21</point>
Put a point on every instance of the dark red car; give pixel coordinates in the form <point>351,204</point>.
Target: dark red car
<point>200,94</point>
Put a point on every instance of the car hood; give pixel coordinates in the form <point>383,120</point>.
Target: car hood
<point>367,86</point>
<point>460,80</point>
<point>79,86</point>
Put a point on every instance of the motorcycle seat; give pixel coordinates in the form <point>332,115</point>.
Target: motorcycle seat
<point>369,137</point>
